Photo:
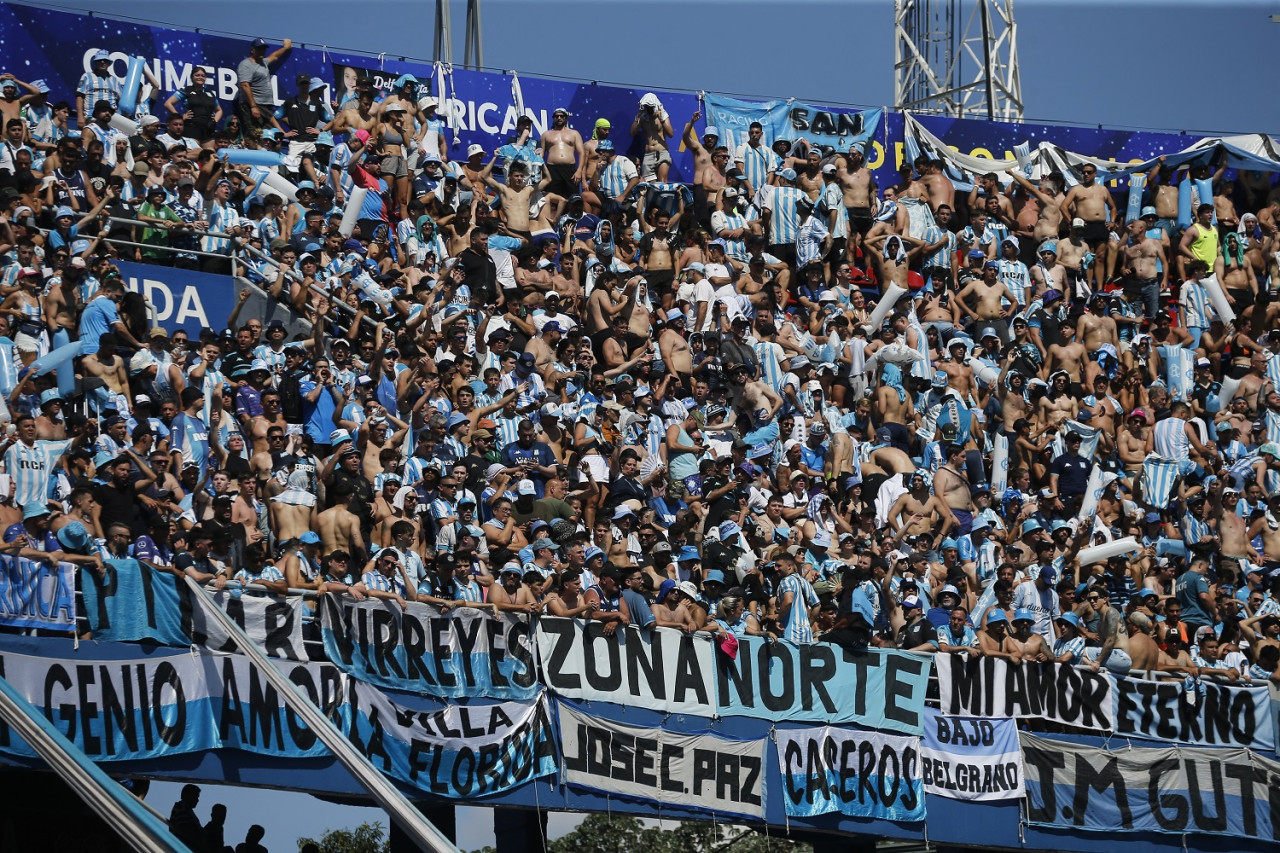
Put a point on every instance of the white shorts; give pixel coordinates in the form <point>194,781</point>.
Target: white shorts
<point>26,343</point>
<point>296,149</point>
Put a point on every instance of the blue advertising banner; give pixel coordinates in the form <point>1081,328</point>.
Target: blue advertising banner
<point>863,774</point>
<point>36,595</point>
<point>461,653</point>
<point>184,299</point>
<point>458,751</point>
<point>1211,791</point>
<point>481,107</point>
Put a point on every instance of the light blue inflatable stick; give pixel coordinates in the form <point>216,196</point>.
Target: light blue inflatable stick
<point>61,355</point>
<point>251,157</point>
<point>66,367</point>
<point>132,82</point>
<point>1184,202</point>
<point>1204,188</point>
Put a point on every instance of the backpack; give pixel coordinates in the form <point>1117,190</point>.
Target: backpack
<point>291,398</point>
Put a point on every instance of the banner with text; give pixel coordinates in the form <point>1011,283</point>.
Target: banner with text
<point>133,602</point>
<point>463,652</point>
<point>663,669</point>
<point>1225,715</point>
<point>992,687</point>
<point>690,771</point>
<point>36,595</point>
<point>968,758</point>
<point>839,129</point>
<point>184,299</point>
<point>459,751</point>
<point>158,705</point>
<point>857,773</point>
<point>1211,791</point>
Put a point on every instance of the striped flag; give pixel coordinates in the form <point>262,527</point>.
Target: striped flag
<point>1088,440</point>
<point>1159,476</point>
<point>1179,370</point>
<point>999,465</point>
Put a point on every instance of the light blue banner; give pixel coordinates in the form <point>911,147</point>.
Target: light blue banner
<point>36,595</point>
<point>459,751</point>
<point>857,773</point>
<point>824,126</point>
<point>132,602</point>
<point>821,682</point>
<point>461,653</point>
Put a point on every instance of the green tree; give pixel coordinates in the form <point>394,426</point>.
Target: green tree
<point>366,838</point>
<point>600,833</point>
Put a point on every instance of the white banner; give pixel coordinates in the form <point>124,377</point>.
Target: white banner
<point>970,758</point>
<point>660,669</point>
<point>275,624</point>
<point>992,687</point>
<point>690,771</point>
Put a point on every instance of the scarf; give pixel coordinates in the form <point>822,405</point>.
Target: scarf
<point>889,254</point>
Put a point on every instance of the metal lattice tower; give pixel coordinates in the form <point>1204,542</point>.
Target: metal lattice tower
<point>942,69</point>
<point>473,48</point>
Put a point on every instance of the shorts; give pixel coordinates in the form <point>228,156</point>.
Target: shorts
<point>860,219</point>
<point>1095,232</point>
<point>649,165</point>
<point>1118,661</point>
<point>562,182</point>
<point>394,166</point>
<point>26,343</point>
<point>660,281</point>
<point>964,522</point>
<point>1243,298</point>
<point>299,151</point>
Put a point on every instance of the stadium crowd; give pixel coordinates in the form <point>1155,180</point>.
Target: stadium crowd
<point>775,399</point>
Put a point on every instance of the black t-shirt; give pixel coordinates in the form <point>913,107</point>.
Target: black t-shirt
<point>1073,474</point>
<point>916,634</point>
<point>120,505</point>
<point>481,274</point>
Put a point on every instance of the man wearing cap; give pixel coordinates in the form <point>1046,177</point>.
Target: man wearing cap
<point>255,98</point>
<point>562,150</point>
<point>96,84</point>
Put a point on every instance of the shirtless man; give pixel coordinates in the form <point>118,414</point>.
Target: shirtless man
<point>339,527</point>
<point>1090,201</point>
<point>918,510</point>
<point>1162,191</point>
<point>376,439</point>
<point>607,301</point>
<point>1095,328</point>
<point>1142,260</point>
<point>260,426</point>
<point>1041,213</point>
<point>109,367</point>
<point>675,350</point>
<point>564,154</point>
<point>959,373</point>
<point>988,187</point>
<point>658,247</point>
<point>510,595</point>
<point>753,396</point>
<point>994,639</point>
<point>1010,390</point>
<point>710,161</point>
<point>1233,532</point>
<point>1058,405</point>
<point>937,186</point>
<point>859,189</point>
<point>514,195</point>
<point>1072,251</point>
<point>1047,273</point>
<point>891,256</point>
<point>895,407</point>
<point>653,125</point>
<point>1143,650</point>
<point>1235,273</point>
<point>990,296</point>
<point>953,487</point>
<point>1069,356</point>
<point>809,175</point>
<point>362,116</point>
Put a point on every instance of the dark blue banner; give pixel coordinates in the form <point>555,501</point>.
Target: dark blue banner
<point>183,299</point>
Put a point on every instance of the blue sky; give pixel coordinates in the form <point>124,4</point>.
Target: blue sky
<point>1152,64</point>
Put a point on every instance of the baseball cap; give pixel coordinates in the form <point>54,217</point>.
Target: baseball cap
<point>474,148</point>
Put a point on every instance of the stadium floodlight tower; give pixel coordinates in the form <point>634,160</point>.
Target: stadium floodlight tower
<point>473,50</point>
<point>940,68</point>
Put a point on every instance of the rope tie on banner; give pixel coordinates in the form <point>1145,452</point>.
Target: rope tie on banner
<point>453,96</point>
<point>324,52</point>
<point>382,61</point>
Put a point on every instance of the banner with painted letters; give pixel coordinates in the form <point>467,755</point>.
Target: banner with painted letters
<point>1224,715</point>
<point>839,129</point>
<point>1210,791</point>
<point>133,602</point>
<point>460,653</point>
<point>857,773</point>
<point>663,669</point>
<point>36,595</point>
<point>700,771</point>
<point>992,687</point>
<point>971,758</point>
<point>169,704</point>
<point>458,751</point>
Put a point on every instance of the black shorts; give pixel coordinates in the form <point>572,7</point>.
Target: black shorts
<point>1095,232</point>
<point>785,252</point>
<point>562,182</point>
<point>660,281</point>
<point>860,219</point>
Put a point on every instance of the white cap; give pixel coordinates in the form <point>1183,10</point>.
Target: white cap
<point>1077,223</point>
<point>427,102</point>
<point>474,148</point>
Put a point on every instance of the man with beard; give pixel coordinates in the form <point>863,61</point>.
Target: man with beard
<point>510,594</point>
<point>563,152</point>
